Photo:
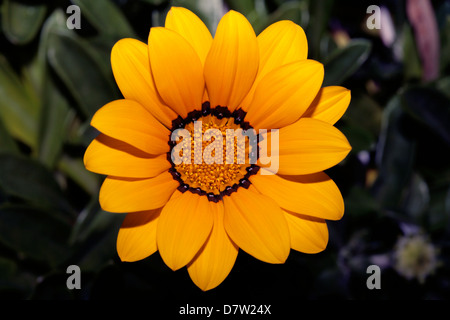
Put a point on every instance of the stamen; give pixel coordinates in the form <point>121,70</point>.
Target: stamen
<point>213,180</point>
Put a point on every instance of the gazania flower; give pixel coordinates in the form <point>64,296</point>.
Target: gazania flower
<point>199,214</point>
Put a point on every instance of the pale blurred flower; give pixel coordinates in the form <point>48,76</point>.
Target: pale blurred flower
<point>415,257</point>
<point>387,30</point>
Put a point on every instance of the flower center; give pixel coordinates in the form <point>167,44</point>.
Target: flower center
<point>213,152</point>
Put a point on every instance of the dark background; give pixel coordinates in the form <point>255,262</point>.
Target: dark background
<point>395,181</point>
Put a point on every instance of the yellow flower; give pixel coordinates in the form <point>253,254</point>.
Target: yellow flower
<point>198,214</point>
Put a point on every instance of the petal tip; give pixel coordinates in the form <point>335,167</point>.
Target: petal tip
<point>175,10</point>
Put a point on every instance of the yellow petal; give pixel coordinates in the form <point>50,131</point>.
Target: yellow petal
<point>215,260</point>
<point>310,146</point>
<point>330,104</point>
<point>131,68</point>
<point>113,157</point>
<point>308,234</point>
<point>281,43</point>
<point>313,195</point>
<point>188,25</point>
<point>183,228</point>
<point>137,235</point>
<point>177,70</point>
<point>284,94</point>
<point>232,62</point>
<point>131,195</point>
<point>128,121</point>
<point>257,225</point>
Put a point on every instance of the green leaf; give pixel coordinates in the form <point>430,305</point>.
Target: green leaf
<point>36,70</point>
<point>439,213</point>
<point>19,110</point>
<point>412,65</point>
<point>359,138</point>
<point>13,283</point>
<point>34,233</point>
<point>395,155</point>
<point>29,180</point>
<point>243,6</point>
<point>320,12</point>
<point>155,2</point>
<point>443,15</point>
<point>56,114</point>
<point>361,122</point>
<point>7,143</point>
<point>445,45</point>
<point>359,202</point>
<point>416,198</point>
<point>54,125</point>
<point>81,71</point>
<point>7,268</point>
<point>106,17</point>
<point>94,237</point>
<point>293,10</point>
<point>52,286</point>
<point>74,169</point>
<point>21,22</point>
<point>364,112</point>
<point>344,62</point>
<point>443,85</point>
<point>430,107</point>
<point>100,250</point>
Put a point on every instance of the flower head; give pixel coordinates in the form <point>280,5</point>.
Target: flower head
<point>415,257</point>
<point>219,144</point>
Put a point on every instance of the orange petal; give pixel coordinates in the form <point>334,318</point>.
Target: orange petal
<point>183,228</point>
<point>308,234</point>
<point>131,68</point>
<point>113,157</point>
<point>232,63</point>
<point>281,43</point>
<point>177,70</point>
<point>131,195</point>
<point>330,104</point>
<point>284,94</point>
<point>188,25</point>
<point>310,146</point>
<point>215,260</point>
<point>137,235</point>
<point>128,121</point>
<point>257,225</point>
<point>313,195</point>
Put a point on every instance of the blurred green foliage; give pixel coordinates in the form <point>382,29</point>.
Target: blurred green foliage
<point>396,179</point>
